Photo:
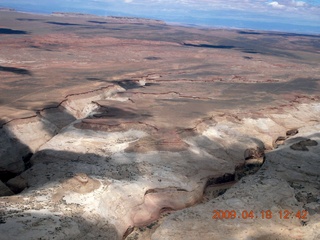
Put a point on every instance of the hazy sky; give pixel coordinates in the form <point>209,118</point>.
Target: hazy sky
<point>283,15</point>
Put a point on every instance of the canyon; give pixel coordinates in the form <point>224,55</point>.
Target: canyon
<point>127,128</point>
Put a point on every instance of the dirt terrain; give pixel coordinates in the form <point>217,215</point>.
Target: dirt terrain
<point>128,128</point>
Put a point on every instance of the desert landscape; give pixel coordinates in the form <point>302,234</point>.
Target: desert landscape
<point>131,128</point>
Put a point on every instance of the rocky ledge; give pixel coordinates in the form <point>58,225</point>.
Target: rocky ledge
<point>98,175</point>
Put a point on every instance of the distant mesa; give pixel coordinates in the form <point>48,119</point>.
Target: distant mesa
<point>7,9</point>
<point>69,14</point>
<point>114,18</point>
<point>134,20</point>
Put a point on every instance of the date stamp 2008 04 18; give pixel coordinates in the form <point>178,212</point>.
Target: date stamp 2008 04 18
<point>264,214</point>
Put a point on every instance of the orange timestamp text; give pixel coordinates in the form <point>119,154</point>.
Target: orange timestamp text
<point>264,214</point>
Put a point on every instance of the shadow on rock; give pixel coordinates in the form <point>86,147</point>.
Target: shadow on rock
<point>129,84</point>
<point>11,31</point>
<point>20,71</point>
<point>64,24</point>
<point>29,19</point>
<point>41,224</point>
<point>14,158</point>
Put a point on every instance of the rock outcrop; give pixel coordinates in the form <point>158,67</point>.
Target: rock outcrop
<point>134,188</point>
<point>283,197</point>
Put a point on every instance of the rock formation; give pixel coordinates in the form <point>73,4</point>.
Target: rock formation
<point>177,141</point>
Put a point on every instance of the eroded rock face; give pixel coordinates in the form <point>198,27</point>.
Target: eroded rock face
<point>21,138</point>
<point>130,189</point>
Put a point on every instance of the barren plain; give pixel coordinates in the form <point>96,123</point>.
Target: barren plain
<point>128,128</point>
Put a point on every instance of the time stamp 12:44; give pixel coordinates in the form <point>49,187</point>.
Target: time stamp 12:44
<point>264,214</point>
